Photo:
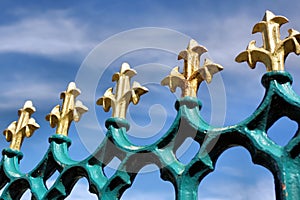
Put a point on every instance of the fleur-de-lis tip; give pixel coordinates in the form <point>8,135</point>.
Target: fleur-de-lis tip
<point>54,116</point>
<point>10,131</point>
<point>106,100</point>
<point>71,89</point>
<point>270,16</point>
<point>79,110</point>
<point>194,46</point>
<point>28,107</point>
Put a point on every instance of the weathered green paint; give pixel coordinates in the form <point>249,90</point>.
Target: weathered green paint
<point>284,162</point>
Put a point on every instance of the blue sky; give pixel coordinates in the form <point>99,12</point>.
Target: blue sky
<point>45,45</point>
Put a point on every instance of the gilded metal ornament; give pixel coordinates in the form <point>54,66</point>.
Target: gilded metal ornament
<point>71,110</point>
<point>24,127</point>
<point>124,92</point>
<point>279,101</point>
<point>193,74</point>
<point>274,50</point>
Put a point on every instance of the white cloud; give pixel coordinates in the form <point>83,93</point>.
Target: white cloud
<point>17,92</point>
<point>262,189</point>
<point>34,90</point>
<point>54,34</point>
<point>51,34</point>
<point>235,189</point>
<point>135,194</point>
<point>80,191</point>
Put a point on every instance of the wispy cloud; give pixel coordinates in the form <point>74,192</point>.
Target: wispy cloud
<point>148,196</point>
<point>263,189</point>
<point>56,34</point>
<point>52,33</point>
<point>20,89</point>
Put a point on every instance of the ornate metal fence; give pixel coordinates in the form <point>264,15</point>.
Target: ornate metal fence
<point>279,100</point>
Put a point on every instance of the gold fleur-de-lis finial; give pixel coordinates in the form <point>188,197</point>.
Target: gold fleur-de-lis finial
<point>124,93</point>
<point>61,117</point>
<point>274,50</point>
<point>24,127</point>
<point>193,74</point>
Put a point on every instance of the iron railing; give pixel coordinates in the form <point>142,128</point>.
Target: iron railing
<point>280,100</point>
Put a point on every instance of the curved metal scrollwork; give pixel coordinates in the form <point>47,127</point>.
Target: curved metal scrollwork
<point>279,100</point>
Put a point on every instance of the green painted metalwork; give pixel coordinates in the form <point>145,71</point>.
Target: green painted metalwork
<point>280,100</point>
<point>283,161</point>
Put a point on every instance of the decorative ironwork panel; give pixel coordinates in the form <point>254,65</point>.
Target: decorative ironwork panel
<point>279,100</point>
